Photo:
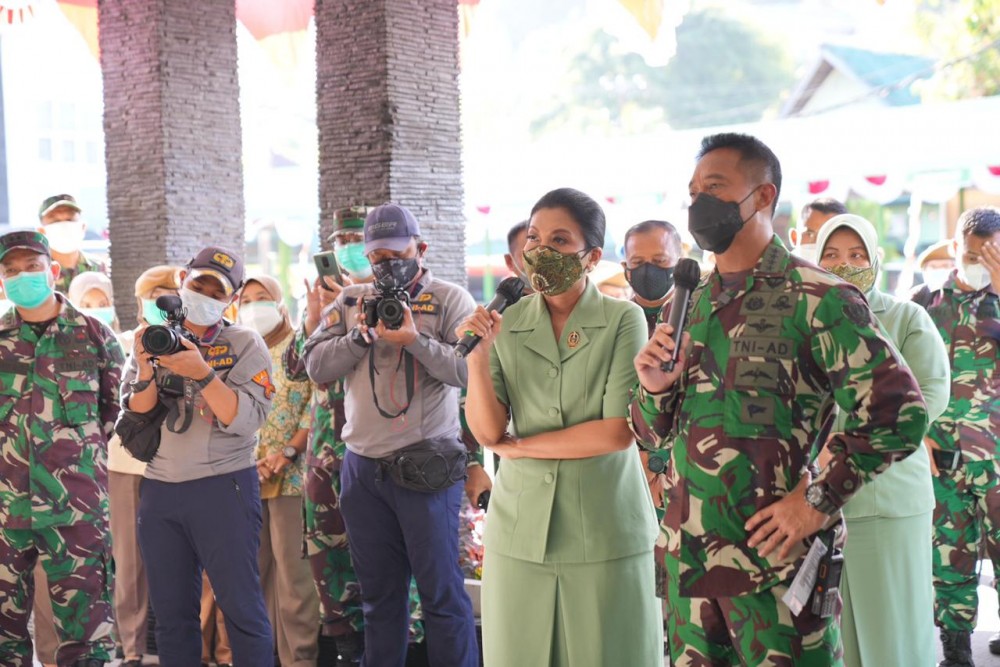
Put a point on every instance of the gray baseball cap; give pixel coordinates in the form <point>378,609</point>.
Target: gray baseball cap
<point>390,227</point>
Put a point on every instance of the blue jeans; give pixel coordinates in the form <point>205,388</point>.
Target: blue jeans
<point>213,523</point>
<point>394,532</point>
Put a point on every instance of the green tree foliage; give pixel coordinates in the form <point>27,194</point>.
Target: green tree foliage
<point>724,71</point>
<point>965,37</point>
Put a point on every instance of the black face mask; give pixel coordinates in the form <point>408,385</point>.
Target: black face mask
<point>396,272</point>
<point>715,223</point>
<point>650,281</point>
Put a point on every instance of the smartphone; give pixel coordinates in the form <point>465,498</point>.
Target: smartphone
<point>326,265</point>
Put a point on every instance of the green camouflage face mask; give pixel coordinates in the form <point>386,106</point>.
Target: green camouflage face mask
<point>861,277</point>
<point>550,271</point>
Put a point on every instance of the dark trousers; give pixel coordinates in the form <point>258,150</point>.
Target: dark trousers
<point>213,523</point>
<point>394,532</point>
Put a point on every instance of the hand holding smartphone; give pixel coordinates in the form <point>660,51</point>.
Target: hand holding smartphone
<point>326,265</point>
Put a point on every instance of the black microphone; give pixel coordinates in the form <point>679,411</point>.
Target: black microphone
<point>508,292</point>
<point>687,273</point>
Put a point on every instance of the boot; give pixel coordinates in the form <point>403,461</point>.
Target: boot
<point>957,647</point>
<point>995,644</point>
<point>349,649</point>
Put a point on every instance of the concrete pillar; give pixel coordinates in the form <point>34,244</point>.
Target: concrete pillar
<point>172,134</point>
<point>388,115</point>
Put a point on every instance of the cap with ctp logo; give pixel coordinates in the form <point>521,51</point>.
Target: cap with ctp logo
<point>390,227</point>
<point>220,263</point>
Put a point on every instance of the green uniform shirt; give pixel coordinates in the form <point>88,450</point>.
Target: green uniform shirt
<point>577,510</point>
<point>58,405</point>
<point>767,361</point>
<point>969,323</point>
<point>83,264</point>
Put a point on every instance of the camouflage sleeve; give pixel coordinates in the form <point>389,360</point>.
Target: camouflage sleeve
<point>885,414</point>
<point>651,416</point>
<point>295,367</point>
<point>112,365</point>
<point>470,440</point>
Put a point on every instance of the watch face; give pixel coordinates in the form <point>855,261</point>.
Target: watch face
<point>289,452</point>
<point>814,495</point>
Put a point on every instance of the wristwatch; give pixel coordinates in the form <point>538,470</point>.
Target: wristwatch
<point>202,383</point>
<point>290,453</point>
<point>818,499</point>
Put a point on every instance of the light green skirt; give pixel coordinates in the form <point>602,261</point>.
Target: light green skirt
<point>571,614</point>
<point>888,618</point>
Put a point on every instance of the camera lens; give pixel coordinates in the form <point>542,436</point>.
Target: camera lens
<point>159,340</point>
<point>390,311</point>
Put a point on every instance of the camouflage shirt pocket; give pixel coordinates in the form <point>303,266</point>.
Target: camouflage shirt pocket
<point>79,389</point>
<point>758,398</point>
<point>11,388</point>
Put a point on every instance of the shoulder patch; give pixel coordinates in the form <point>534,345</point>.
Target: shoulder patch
<point>264,380</point>
<point>332,319</point>
<point>425,297</point>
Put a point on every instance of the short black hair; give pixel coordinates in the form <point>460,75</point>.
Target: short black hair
<point>983,221</point>
<point>650,225</point>
<point>582,208</point>
<point>512,234</point>
<point>752,150</point>
<point>824,205</point>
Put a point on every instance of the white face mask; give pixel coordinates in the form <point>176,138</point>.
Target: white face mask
<point>201,310</point>
<point>975,275</point>
<point>935,278</point>
<point>64,237</point>
<point>263,316</point>
<point>807,251</point>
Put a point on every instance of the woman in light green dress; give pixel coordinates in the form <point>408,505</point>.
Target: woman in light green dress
<point>568,572</point>
<point>888,595</point>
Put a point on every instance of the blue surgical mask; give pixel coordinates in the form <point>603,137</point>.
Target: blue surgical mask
<point>28,289</point>
<point>151,313</point>
<point>352,257</point>
<point>106,315</point>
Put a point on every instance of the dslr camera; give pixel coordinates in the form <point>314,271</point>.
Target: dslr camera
<point>388,305</point>
<point>161,340</point>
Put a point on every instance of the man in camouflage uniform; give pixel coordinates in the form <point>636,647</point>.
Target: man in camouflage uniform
<point>59,219</point>
<point>772,343</point>
<point>59,377</point>
<point>965,438</point>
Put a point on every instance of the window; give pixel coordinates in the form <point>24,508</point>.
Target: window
<point>68,151</point>
<point>45,150</point>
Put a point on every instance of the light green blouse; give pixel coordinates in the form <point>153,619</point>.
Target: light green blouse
<point>569,511</point>
<point>905,489</point>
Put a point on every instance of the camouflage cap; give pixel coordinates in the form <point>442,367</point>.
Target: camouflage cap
<point>55,201</point>
<point>24,240</point>
<point>222,264</point>
<point>350,219</point>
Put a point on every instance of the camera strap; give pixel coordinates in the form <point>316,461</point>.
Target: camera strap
<point>410,370</point>
<point>175,410</point>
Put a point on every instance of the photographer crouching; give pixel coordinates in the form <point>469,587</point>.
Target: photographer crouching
<point>401,481</point>
<point>195,392</point>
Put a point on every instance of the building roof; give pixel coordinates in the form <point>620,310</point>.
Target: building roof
<point>888,75</point>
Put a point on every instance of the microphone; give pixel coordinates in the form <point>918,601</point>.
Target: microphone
<point>687,273</point>
<point>508,293</point>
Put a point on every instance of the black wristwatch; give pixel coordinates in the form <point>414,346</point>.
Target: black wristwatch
<point>290,453</point>
<point>202,383</point>
<point>818,498</point>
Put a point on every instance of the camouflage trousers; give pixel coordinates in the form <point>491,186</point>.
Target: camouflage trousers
<point>966,518</point>
<point>750,630</point>
<point>326,547</point>
<point>77,561</point>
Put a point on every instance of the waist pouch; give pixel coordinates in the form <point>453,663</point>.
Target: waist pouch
<point>428,466</point>
<point>140,431</point>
